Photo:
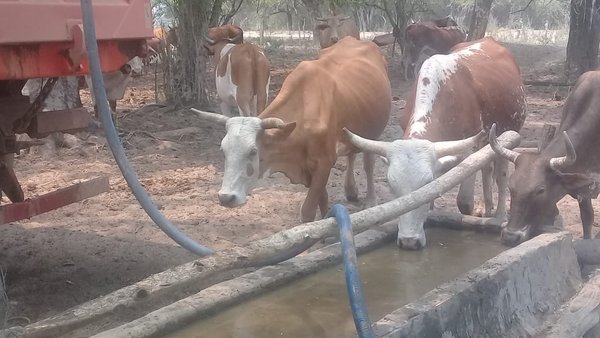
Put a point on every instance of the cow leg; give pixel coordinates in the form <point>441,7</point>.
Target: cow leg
<point>317,194</point>
<point>586,212</point>
<point>486,182</point>
<point>324,203</point>
<point>113,105</point>
<point>501,173</point>
<point>466,199</point>
<point>369,164</point>
<point>225,109</point>
<point>349,182</point>
<point>244,101</point>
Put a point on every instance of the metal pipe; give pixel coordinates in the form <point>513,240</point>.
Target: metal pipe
<point>115,144</point>
<point>355,293</point>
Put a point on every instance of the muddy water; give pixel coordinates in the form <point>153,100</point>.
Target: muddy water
<point>317,306</point>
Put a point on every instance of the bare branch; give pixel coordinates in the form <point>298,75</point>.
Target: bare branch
<point>523,9</point>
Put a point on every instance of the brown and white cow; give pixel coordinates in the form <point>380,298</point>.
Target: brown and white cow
<point>334,28</point>
<point>455,97</point>
<point>568,165</point>
<point>298,134</point>
<point>437,36</point>
<point>242,71</point>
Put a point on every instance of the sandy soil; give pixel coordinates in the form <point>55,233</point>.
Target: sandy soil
<point>87,249</point>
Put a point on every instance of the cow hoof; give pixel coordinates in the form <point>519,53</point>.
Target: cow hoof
<point>352,198</point>
<point>467,209</point>
<point>501,215</point>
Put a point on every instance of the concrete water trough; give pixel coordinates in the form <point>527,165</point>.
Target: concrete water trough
<point>518,293</point>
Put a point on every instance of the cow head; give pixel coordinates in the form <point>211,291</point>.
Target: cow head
<point>412,163</point>
<point>243,145</point>
<point>218,37</point>
<point>536,185</point>
<point>330,30</point>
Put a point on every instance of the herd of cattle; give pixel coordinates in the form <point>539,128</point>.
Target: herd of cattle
<point>340,103</point>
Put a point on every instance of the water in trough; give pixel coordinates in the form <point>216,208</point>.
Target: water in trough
<point>317,306</point>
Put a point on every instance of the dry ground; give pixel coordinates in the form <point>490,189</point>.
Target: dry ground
<point>87,249</point>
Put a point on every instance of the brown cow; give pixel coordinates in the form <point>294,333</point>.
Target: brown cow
<point>456,96</point>
<point>298,133</point>
<point>569,164</point>
<point>334,28</point>
<point>427,35</point>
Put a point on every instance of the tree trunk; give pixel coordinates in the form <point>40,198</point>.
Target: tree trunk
<point>479,19</point>
<point>584,37</point>
<point>215,13</point>
<point>187,81</point>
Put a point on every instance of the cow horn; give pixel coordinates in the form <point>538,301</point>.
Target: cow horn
<point>558,163</point>
<point>346,17</point>
<point>209,40</point>
<point>217,118</point>
<point>508,154</point>
<point>321,19</point>
<point>447,148</point>
<point>370,146</point>
<point>272,122</point>
<point>239,36</point>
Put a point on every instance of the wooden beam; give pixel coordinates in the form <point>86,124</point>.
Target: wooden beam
<point>53,200</point>
<point>456,221</point>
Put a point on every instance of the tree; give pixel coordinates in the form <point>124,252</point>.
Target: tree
<point>479,19</point>
<point>584,38</point>
<point>186,80</point>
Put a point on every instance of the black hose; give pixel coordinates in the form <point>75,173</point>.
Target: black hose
<point>115,144</point>
<point>355,293</point>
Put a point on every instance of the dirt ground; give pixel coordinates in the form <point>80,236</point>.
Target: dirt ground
<point>74,254</point>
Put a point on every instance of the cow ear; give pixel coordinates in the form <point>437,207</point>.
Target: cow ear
<point>322,26</point>
<point>579,185</point>
<point>279,134</point>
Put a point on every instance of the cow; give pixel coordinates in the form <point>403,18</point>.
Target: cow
<point>568,165</point>
<point>299,133</point>
<point>334,28</point>
<point>455,97</point>
<point>439,39</point>
<point>115,83</point>
<point>242,72</point>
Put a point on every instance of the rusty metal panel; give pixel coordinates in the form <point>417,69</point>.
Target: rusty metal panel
<point>51,59</point>
<point>57,199</point>
<point>69,120</point>
<point>32,21</point>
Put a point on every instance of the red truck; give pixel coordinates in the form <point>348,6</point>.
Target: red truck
<point>44,39</point>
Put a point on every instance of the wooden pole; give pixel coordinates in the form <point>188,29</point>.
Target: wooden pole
<point>456,221</point>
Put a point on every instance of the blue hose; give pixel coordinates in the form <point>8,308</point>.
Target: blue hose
<point>115,144</point>
<point>355,293</point>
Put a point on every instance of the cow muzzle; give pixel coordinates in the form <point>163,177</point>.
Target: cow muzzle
<point>230,200</point>
<point>411,243</point>
<point>513,238</point>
